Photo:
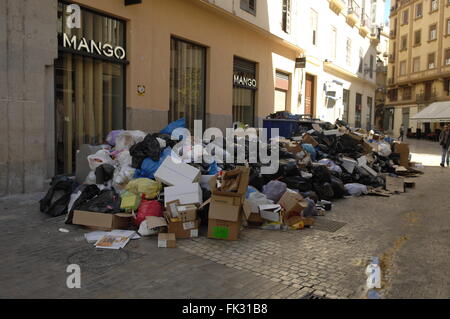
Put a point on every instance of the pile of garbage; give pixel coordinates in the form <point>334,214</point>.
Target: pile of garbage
<point>149,184</point>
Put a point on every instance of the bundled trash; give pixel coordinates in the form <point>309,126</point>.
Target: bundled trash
<point>155,185</point>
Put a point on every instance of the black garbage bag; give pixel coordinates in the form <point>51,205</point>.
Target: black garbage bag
<point>55,202</point>
<point>149,147</point>
<point>338,187</point>
<point>345,177</point>
<point>289,169</point>
<point>107,201</point>
<point>87,193</point>
<point>324,191</point>
<point>321,174</point>
<point>104,173</point>
<point>297,182</point>
<point>311,195</point>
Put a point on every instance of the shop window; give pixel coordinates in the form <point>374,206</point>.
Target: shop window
<point>346,104</point>
<point>249,6</point>
<point>187,81</point>
<point>369,113</point>
<point>244,91</point>
<point>358,108</point>
<point>281,91</point>
<point>89,83</point>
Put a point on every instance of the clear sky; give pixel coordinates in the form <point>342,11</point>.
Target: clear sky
<point>387,10</point>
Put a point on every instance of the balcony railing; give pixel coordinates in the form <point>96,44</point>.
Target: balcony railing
<point>426,97</point>
<point>354,8</point>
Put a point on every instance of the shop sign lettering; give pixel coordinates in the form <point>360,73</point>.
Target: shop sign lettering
<point>93,47</point>
<point>244,81</point>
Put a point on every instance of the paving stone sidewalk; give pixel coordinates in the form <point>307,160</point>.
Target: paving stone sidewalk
<point>262,264</point>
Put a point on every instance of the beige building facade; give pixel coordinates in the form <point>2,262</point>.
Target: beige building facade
<point>419,61</point>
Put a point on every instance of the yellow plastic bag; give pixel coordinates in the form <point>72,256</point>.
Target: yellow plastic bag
<point>146,186</point>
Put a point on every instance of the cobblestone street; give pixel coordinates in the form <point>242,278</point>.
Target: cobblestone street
<point>409,233</point>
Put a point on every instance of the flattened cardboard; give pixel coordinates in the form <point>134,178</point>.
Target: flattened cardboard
<point>155,222</point>
<point>224,230</point>
<point>173,173</point>
<point>403,150</point>
<point>308,139</point>
<point>167,240</point>
<point>243,184</point>
<point>101,221</point>
<point>226,212</point>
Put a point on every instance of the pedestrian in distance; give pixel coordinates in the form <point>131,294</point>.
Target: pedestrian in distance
<point>402,132</point>
<point>444,141</point>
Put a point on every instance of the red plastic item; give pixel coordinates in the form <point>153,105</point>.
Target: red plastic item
<point>148,208</point>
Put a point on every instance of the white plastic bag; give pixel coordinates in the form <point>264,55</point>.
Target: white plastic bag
<point>126,139</point>
<point>99,158</point>
<point>384,149</point>
<point>373,272</point>
<point>356,189</point>
<point>145,231</point>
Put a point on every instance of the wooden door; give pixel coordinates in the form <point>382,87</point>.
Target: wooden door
<point>309,95</point>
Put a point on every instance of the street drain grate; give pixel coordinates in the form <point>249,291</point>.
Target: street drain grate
<point>311,295</point>
<point>328,225</point>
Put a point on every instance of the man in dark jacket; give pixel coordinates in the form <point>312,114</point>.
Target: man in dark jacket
<point>444,141</point>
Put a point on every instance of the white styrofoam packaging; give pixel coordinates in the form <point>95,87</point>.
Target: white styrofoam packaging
<point>270,212</point>
<point>188,193</point>
<point>174,172</point>
<point>349,164</point>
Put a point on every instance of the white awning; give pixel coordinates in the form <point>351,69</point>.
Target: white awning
<point>435,112</point>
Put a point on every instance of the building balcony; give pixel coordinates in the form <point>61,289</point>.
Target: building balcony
<point>353,13</point>
<point>337,6</point>
<point>426,97</point>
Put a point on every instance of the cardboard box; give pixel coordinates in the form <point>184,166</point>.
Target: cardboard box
<point>395,184</point>
<point>222,229</point>
<point>255,218</point>
<point>242,188</point>
<point>270,212</point>
<point>187,213</point>
<point>223,210</point>
<point>182,229</point>
<point>292,203</point>
<point>308,139</point>
<point>101,221</point>
<point>403,150</point>
<point>166,240</point>
<point>185,193</point>
<point>174,173</point>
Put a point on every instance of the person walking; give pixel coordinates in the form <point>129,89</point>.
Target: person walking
<point>402,132</point>
<point>444,141</point>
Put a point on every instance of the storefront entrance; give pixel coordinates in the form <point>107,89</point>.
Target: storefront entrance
<point>89,82</point>
<point>244,91</point>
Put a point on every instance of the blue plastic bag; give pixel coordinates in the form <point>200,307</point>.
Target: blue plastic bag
<point>149,166</point>
<point>213,169</point>
<point>311,150</point>
<point>181,123</point>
